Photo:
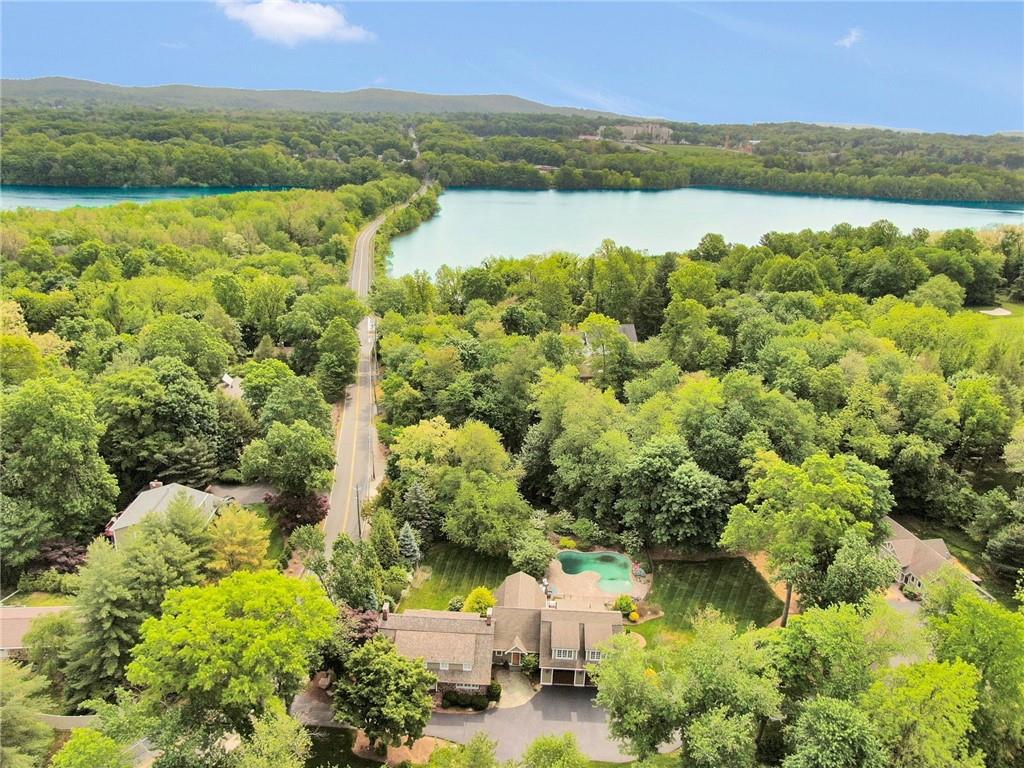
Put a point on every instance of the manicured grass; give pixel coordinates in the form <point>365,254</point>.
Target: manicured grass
<point>276,536</point>
<point>698,151</point>
<point>967,551</point>
<point>658,761</point>
<point>333,747</point>
<point>1016,320</point>
<point>38,599</point>
<point>729,584</point>
<point>454,571</point>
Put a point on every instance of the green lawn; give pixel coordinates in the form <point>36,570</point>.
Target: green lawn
<point>455,571</point>
<point>658,761</point>
<point>38,599</point>
<point>967,551</point>
<point>276,536</point>
<point>333,747</point>
<point>1009,322</point>
<point>730,584</point>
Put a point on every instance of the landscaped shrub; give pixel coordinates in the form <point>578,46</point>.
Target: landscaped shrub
<point>456,603</point>
<point>624,604</point>
<point>566,543</point>
<point>50,580</point>
<point>494,691</point>
<point>910,592</point>
<point>291,511</point>
<point>587,532</point>
<point>634,617</point>
<point>453,698</point>
<point>62,554</point>
<point>479,600</point>
<point>395,580</point>
<point>530,665</point>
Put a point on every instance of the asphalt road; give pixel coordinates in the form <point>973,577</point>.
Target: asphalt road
<point>553,711</point>
<point>353,449</point>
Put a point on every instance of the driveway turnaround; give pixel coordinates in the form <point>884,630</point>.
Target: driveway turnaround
<point>554,710</point>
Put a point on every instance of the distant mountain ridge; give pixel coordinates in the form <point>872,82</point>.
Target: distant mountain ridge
<point>55,91</point>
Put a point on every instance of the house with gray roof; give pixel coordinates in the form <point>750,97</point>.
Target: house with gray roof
<point>15,622</point>
<point>460,648</point>
<point>919,558</point>
<point>455,646</point>
<point>154,500</point>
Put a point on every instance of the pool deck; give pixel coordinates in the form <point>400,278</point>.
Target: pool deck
<point>581,589</point>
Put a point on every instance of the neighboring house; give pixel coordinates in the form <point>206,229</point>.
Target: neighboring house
<point>15,621</point>
<point>919,558</point>
<point>231,386</point>
<point>460,648</point>
<point>586,368</point>
<point>155,500</point>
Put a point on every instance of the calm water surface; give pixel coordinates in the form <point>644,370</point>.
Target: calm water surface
<point>56,198</point>
<point>475,224</point>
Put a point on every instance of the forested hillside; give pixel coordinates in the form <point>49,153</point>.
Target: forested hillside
<point>139,146</point>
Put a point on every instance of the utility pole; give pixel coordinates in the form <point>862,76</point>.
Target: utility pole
<point>359,515</point>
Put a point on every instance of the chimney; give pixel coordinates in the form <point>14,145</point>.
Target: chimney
<point>155,484</point>
<point>384,611</point>
<point>490,616</point>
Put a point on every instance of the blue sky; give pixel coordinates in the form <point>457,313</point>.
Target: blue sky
<point>933,66</point>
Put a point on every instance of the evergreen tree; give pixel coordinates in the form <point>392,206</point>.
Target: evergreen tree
<point>383,540</point>
<point>108,626</point>
<point>408,547</point>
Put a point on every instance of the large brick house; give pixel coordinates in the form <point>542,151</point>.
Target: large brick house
<point>460,648</point>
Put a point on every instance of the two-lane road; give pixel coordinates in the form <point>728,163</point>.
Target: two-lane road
<point>357,435</point>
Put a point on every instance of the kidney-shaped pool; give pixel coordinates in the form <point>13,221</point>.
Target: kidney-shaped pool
<point>613,568</point>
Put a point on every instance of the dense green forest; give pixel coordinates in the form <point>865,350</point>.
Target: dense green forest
<point>119,321</point>
<point>784,397</point>
<point>137,146</point>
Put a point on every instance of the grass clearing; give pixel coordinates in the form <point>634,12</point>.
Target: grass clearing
<point>730,584</point>
<point>454,571</point>
<point>37,599</point>
<point>657,761</point>
<point>1013,322</point>
<point>276,536</point>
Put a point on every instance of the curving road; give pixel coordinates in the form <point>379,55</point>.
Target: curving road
<point>356,470</point>
<point>354,452</point>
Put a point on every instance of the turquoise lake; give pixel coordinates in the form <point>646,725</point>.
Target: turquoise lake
<point>55,198</point>
<point>476,224</point>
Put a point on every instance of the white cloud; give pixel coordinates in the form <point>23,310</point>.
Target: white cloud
<point>851,38</point>
<point>291,22</point>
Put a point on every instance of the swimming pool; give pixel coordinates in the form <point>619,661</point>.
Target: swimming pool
<point>613,568</point>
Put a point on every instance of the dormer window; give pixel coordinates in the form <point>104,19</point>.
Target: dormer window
<point>565,653</point>
<point>443,666</point>
<point>593,655</point>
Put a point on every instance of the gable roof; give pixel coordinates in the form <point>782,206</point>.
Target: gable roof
<point>919,557</point>
<point>158,499</point>
<point>444,637</point>
<point>520,590</point>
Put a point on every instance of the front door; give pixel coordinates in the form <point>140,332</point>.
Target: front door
<point>516,659</point>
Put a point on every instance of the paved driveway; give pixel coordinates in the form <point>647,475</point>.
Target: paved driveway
<point>554,710</point>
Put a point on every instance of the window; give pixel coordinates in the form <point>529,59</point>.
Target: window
<point>593,655</point>
<point>565,653</point>
<point>443,666</point>
<point>467,687</point>
<point>467,667</point>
